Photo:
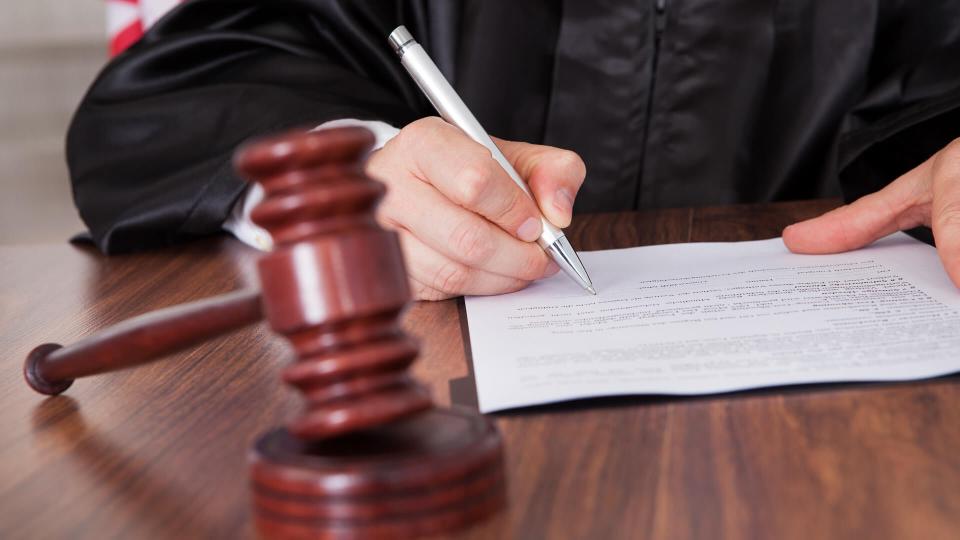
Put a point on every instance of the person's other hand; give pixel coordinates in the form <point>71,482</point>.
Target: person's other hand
<point>464,226</point>
<point>927,195</point>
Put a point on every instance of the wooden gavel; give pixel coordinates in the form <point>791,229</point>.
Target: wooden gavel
<point>370,456</point>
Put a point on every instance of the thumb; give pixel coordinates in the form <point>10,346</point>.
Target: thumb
<point>553,174</point>
<point>945,215</point>
<point>893,208</point>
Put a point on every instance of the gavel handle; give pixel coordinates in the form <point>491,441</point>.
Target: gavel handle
<point>50,368</point>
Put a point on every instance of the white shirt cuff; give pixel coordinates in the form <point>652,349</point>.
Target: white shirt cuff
<point>239,223</point>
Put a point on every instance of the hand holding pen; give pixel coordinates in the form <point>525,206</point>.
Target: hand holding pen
<point>465,226</point>
<point>479,184</point>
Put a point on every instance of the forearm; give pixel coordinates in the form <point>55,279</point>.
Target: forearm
<point>150,147</point>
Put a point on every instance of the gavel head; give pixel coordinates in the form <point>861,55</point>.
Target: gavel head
<point>335,283</point>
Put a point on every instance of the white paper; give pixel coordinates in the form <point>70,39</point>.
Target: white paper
<point>717,317</point>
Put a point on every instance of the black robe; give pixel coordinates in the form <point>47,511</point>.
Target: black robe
<point>669,102</point>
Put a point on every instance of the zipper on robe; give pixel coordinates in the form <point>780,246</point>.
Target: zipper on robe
<point>659,24</point>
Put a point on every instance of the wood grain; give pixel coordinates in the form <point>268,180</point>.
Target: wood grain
<point>159,452</point>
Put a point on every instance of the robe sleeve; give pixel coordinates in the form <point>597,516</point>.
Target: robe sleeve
<point>150,147</point>
<point>910,108</point>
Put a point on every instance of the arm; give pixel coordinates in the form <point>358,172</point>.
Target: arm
<point>149,148</point>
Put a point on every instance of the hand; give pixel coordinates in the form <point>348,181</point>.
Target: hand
<point>464,226</point>
<point>927,195</point>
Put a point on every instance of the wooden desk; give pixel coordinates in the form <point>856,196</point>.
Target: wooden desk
<point>159,451</point>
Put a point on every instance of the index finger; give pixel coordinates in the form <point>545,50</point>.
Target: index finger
<point>554,175</point>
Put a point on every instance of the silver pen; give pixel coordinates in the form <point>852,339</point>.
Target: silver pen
<point>452,109</point>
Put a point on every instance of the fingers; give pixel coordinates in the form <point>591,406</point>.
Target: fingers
<point>896,207</point>
<point>465,237</point>
<point>435,277</point>
<point>466,227</point>
<point>945,221</point>
<point>554,176</point>
<point>466,173</point>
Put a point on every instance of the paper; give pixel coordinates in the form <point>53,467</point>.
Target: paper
<point>717,317</point>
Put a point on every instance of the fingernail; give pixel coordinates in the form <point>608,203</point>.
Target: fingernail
<point>564,201</point>
<point>530,230</point>
<point>552,269</point>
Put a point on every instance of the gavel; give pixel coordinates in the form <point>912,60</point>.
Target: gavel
<point>371,456</point>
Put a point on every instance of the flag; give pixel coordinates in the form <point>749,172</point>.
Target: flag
<point>127,20</point>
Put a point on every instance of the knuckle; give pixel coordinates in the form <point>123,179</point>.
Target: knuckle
<point>473,181</point>
<point>513,204</point>
<point>422,292</point>
<point>419,131</point>
<point>470,243</point>
<point>451,278</point>
<point>381,163</point>
<point>384,217</point>
<point>422,125</point>
<point>407,135</point>
<point>573,164</point>
<point>534,265</point>
<point>939,164</point>
<point>954,148</point>
<point>419,290</point>
<point>433,122</point>
<point>516,285</point>
<point>946,163</point>
<point>949,216</point>
<point>394,208</point>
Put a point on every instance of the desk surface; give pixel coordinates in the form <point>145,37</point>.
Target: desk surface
<point>159,451</point>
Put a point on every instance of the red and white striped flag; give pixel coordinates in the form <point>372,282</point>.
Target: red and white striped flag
<point>127,20</point>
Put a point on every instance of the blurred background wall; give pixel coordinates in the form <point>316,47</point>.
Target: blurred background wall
<point>50,51</point>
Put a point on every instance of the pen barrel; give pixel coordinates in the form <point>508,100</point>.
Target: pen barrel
<point>452,109</point>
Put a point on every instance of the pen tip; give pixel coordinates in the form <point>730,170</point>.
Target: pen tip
<point>591,290</point>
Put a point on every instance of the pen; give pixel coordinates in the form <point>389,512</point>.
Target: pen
<point>452,109</point>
